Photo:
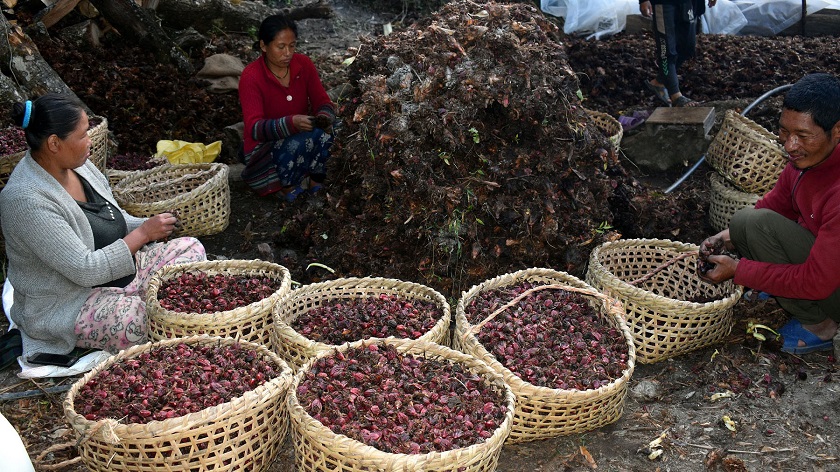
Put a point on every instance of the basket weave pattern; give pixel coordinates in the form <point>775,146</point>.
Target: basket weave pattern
<point>318,448</point>
<point>251,323</point>
<point>609,126</point>
<point>199,193</point>
<point>117,175</point>
<point>7,165</point>
<point>99,143</point>
<point>297,349</point>
<point>725,201</point>
<point>243,434</point>
<point>746,154</point>
<point>543,412</point>
<point>663,323</point>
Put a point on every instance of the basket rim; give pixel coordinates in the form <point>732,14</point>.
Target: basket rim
<point>415,347</point>
<point>220,171</point>
<point>516,382</point>
<point>631,291</point>
<point>284,328</point>
<point>723,187</point>
<point>156,428</point>
<point>243,312</point>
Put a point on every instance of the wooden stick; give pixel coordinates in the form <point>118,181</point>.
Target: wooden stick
<point>476,328</point>
<point>650,274</point>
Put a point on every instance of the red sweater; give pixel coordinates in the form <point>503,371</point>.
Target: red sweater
<point>816,207</point>
<point>266,108</point>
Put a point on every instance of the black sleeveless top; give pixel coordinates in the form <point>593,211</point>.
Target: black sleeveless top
<point>107,223</point>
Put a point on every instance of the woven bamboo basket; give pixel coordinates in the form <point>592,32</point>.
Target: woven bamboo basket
<point>7,165</point>
<point>98,134</point>
<point>251,323</point>
<point>297,349</point>
<point>746,154</point>
<point>543,412</point>
<point>725,201</point>
<point>663,321</point>
<point>199,193</point>
<point>318,448</point>
<point>245,433</point>
<point>115,176</point>
<point>609,126</point>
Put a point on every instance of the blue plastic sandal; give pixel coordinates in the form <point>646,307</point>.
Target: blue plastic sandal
<point>793,332</point>
<point>293,194</point>
<point>315,187</point>
<point>661,93</point>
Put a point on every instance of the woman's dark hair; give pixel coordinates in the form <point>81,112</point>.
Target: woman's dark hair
<point>50,114</point>
<point>817,95</point>
<point>271,26</point>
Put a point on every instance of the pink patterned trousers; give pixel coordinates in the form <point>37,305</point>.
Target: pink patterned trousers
<point>114,318</point>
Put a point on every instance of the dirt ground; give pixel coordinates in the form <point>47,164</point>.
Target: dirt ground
<point>785,409</point>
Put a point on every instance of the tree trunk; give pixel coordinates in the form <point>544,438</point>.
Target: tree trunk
<point>139,24</point>
<point>28,73</point>
<point>204,15</point>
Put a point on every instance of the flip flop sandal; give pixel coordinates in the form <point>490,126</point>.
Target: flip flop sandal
<point>315,187</point>
<point>11,347</point>
<point>660,92</point>
<point>293,194</point>
<point>683,101</point>
<point>793,332</point>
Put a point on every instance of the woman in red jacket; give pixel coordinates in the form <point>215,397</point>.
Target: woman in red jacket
<point>288,115</point>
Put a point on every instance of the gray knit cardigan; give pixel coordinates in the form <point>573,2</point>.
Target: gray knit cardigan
<point>50,249</point>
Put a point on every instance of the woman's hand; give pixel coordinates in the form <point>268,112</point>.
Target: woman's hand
<point>303,122</point>
<point>157,227</point>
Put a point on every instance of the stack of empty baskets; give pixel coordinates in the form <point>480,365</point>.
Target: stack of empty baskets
<point>748,160</point>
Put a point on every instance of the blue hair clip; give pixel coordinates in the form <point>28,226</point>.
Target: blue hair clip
<point>27,115</point>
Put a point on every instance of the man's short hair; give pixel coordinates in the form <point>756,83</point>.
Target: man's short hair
<point>817,95</point>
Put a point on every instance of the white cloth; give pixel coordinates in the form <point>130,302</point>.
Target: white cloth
<point>14,457</point>
<point>84,364</point>
<point>8,300</point>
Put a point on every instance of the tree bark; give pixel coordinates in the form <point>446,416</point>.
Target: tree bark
<point>140,25</point>
<point>28,73</point>
<point>204,15</point>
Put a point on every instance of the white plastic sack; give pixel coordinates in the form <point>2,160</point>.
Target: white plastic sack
<point>554,7</point>
<point>724,18</point>
<point>771,17</point>
<point>594,17</point>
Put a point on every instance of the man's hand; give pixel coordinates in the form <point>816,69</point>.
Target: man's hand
<point>723,269</point>
<point>647,9</point>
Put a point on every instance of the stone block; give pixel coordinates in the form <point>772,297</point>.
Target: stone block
<point>671,138</point>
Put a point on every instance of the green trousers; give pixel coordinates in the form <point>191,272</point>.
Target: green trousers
<point>766,236</point>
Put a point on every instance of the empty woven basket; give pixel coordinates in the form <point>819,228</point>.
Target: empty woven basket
<point>198,193</point>
<point>725,201</point>
<point>746,154</point>
<point>669,309</point>
<point>609,126</point>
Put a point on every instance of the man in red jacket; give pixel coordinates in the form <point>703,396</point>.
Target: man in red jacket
<point>790,242</point>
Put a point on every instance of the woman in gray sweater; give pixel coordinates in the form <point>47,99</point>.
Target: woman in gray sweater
<point>78,263</point>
